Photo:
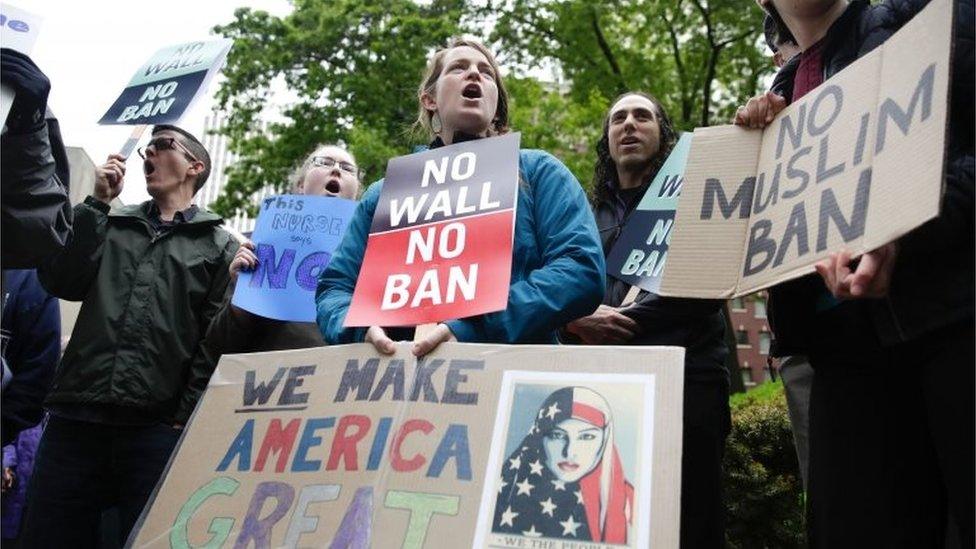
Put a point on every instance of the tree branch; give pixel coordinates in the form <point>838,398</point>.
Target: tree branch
<point>605,48</point>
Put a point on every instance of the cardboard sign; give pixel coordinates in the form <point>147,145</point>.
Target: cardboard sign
<point>440,246</point>
<point>295,237</point>
<point>473,446</point>
<point>641,251</point>
<point>856,163</point>
<point>19,32</point>
<point>165,87</point>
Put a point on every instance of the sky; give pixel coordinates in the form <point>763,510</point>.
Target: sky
<point>90,50</point>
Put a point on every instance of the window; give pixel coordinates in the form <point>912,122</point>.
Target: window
<point>764,340</point>
<point>737,304</point>
<point>760,307</point>
<point>742,337</point>
<point>747,377</point>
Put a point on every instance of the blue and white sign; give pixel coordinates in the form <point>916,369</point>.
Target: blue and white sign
<point>166,85</point>
<point>295,238</point>
<point>640,253</point>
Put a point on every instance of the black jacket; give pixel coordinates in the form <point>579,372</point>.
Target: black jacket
<point>136,355</point>
<point>36,212</point>
<point>933,282</point>
<point>695,324</point>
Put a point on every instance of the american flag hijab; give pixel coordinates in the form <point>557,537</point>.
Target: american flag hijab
<point>534,500</point>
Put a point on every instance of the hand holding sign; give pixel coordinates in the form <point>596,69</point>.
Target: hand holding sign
<point>869,279</point>
<point>759,111</point>
<point>109,179</point>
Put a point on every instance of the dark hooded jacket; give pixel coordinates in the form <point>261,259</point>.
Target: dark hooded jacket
<point>933,281</point>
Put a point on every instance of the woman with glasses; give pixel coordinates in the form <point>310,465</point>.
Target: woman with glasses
<point>557,265</point>
<point>329,171</point>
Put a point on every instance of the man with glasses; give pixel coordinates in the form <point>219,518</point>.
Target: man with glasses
<point>151,277</point>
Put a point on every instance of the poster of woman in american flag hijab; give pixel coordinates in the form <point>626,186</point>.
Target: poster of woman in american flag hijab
<point>566,480</point>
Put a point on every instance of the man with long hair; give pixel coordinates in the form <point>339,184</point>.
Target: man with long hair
<point>637,137</point>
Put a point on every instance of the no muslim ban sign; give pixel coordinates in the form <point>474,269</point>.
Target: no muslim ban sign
<point>440,246</point>
<point>168,83</point>
<point>856,163</point>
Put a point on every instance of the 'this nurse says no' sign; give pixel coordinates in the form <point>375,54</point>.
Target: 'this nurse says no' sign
<point>440,246</point>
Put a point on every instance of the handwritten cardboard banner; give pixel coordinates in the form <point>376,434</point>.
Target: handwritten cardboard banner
<point>295,237</point>
<point>168,83</point>
<point>856,163</point>
<point>440,246</point>
<point>473,446</point>
<point>641,251</point>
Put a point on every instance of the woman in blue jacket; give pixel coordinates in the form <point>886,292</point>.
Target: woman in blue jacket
<point>558,268</point>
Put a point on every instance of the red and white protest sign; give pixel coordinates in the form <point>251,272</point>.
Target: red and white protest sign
<point>440,246</point>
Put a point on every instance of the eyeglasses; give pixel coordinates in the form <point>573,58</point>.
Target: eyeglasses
<point>166,143</point>
<point>329,162</point>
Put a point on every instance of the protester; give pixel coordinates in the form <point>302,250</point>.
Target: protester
<point>795,370</point>
<point>637,137</point>
<point>36,213</point>
<point>329,171</point>
<point>31,332</point>
<point>151,276</point>
<point>557,268</point>
<point>890,335</point>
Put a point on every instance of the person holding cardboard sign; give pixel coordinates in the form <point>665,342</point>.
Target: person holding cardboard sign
<point>889,334</point>
<point>329,170</point>
<point>637,138</point>
<point>557,268</point>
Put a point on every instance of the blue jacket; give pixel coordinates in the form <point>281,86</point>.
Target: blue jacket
<point>558,270</point>
<point>31,345</point>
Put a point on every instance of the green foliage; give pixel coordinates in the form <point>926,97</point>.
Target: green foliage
<point>354,67</point>
<point>763,490</point>
<point>554,122</point>
<point>351,70</point>
<point>702,58</point>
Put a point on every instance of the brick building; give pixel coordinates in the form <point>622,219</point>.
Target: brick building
<point>752,336</point>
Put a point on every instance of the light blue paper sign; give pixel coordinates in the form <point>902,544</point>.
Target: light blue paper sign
<point>295,237</point>
<point>641,251</point>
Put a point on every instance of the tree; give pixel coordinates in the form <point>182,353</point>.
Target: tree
<point>702,58</point>
<point>552,121</point>
<point>354,67</point>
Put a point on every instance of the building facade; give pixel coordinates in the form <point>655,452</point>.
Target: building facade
<point>753,337</point>
<point>221,159</point>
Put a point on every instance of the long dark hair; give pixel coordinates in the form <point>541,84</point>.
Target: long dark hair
<point>605,170</point>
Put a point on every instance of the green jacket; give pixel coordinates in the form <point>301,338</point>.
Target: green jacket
<point>148,300</point>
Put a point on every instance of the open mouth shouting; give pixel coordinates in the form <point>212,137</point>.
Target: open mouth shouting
<point>472,92</point>
<point>148,168</point>
<point>332,187</point>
